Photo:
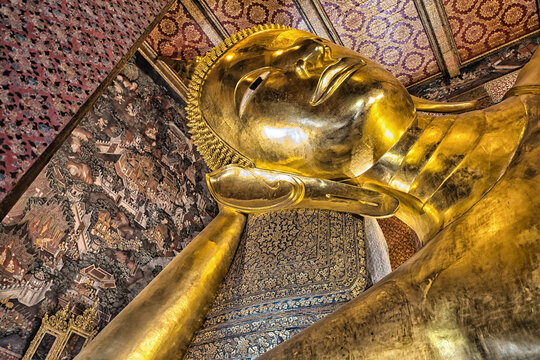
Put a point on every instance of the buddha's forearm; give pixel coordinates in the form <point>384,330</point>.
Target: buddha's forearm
<point>530,73</point>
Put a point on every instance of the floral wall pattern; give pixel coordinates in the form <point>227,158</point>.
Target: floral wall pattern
<point>124,194</point>
<point>389,32</point>
<point>479,26</point>
<point>53,55</point>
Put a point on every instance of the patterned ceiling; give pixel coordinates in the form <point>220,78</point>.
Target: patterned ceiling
<point>479,26</point>
<point>389,32</point>
<point>178,35</point>
<point>56,54</point>
<point>236,15</point>
<point>414,39</point>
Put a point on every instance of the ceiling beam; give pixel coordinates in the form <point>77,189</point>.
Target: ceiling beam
<point>203,15</point>
<point>440,35</point>
<point>164,70</point>
<point>314,15</point>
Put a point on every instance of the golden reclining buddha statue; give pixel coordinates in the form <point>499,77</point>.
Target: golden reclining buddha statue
<point>289,120</point>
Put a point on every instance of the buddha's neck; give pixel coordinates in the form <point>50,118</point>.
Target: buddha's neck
<point>443,165</point>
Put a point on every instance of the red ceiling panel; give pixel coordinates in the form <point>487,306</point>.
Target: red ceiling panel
<point>236,15</point>
<point>178,35</point>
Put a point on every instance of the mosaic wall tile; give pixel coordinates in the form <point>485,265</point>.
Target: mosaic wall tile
<point>498,88</point>
<point>291,269</point>
<point>386,31</point>
<point>178,35</point>
<point>124,194</point>
<point>236,15</point>
<point>479,25</point>
<point>53,55</point>
<point>401,239</point>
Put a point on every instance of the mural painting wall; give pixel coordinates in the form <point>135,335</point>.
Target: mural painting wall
<point>124,194</point>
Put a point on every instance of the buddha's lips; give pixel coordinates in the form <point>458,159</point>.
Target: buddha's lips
<point>332,77</point>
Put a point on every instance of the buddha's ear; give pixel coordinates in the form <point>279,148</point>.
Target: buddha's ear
<point>443,107</point>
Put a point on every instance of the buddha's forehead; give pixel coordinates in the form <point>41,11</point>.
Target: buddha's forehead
<point>254,52</point>
<point>259,50</point>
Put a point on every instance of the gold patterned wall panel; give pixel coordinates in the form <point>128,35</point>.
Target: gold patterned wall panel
<point>178,35</point>
<point>236,15</point>
<point>291,269</point>
<point>482,25</point>
<point>388,32</point>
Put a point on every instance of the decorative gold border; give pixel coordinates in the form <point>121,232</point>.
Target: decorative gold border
<point>43,330</point>
<point>212,19</point>
<point>62,325</point>
<point>164,70</point>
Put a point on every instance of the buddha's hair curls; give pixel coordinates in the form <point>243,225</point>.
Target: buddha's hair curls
<point>214,150</point>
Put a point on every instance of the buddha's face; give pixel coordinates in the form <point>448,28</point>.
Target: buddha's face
<point>291,101</point>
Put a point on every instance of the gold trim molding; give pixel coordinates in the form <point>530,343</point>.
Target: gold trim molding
<point>62,326</point>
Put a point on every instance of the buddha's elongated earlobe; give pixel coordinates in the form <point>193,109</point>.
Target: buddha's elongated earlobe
<point>443,107</point>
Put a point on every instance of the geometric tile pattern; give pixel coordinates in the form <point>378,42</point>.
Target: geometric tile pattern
<point>236,15</point>
<point>53,55</point>
<point>401,239</point>
<point>387,31</point>
<point>177,35</point>
<point>482,25</point>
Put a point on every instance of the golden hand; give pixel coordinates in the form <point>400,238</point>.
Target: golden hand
<point>259,190</point>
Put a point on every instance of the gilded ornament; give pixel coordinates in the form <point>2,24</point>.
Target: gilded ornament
<point>59,321</point>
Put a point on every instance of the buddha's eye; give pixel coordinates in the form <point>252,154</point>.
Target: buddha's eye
<point>251,89</point>
<point>257,82</point>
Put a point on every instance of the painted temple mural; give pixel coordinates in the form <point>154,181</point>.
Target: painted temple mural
<point>123,195</point>
<point>126,192</point>
<point>53,57</point>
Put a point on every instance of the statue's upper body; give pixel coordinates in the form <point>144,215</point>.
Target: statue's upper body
<point>471,293</point>
<point>308,123</point>
<point>323,118</point>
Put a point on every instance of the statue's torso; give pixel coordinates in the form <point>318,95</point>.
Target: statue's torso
<point>471,293</point>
